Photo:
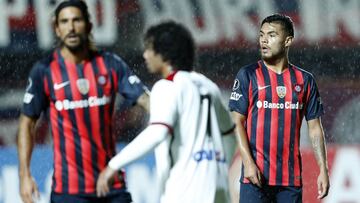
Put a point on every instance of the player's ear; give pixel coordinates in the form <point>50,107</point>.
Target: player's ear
<point>288,41</point>
<point>56,27</point>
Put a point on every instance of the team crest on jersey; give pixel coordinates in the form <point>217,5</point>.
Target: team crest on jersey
<point>298,88</point>
<point>281,91</point>
<point>83,85</point>
<point>102,80</point>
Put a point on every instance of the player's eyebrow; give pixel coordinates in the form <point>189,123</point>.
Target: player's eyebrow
<point>270,32</point>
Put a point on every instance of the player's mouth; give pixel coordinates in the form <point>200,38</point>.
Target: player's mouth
<point>265,49</point>
<point>72,36</point>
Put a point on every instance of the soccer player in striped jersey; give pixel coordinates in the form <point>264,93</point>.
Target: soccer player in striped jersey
<point>76,87</point>
<point>187,121</point>
<point>269,100</point>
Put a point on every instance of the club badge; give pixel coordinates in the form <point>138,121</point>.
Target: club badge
<point>281,91</point>
<point>83,85</point>
<point>101,80</point>
<point>298,88</point>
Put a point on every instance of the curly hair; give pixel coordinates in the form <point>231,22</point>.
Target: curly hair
<point>173,42</point>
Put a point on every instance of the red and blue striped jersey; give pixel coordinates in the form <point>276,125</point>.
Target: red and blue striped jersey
<point>79,101</point>
<point>275,105</point>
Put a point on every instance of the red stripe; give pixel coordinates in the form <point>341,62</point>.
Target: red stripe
<point>107,119</point>
<point>169,127</point>
<point>69,138</point>
<point>117,183</point>
<point>273,130</point>
<point>56,135</point>
<point>260,121</point>
<point>297,170</point>
<point>46,86</point>
<point>82,130</point>
<point>115,79</point>
<point>95,116</point>
<point>250,111</point>
<point>109,139</point>
<point>287,128</point>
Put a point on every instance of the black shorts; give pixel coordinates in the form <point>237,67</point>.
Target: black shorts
<point>121,196</point>
<point>250,193</point>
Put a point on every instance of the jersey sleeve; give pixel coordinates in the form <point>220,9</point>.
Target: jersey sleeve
<point>239,98</point>
<point>314,106</point>
<point>35,100</point>
<point>163,104</point>
<point>129,85</point>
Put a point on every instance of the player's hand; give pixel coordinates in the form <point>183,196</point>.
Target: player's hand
<point>103,182</point>
<point>323,184</point>
<point>28,189</point>
<point>253,174</point>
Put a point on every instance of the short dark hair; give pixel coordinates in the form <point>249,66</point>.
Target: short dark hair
<point>173,42</point>
<point>284,20</point>
<point>81,5</point>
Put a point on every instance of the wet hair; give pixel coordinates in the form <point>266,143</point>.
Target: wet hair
<point>173,42</point>
<point>283,20</point>
<point>81,5</point>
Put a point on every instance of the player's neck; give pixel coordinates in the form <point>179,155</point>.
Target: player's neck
<point>74,56</point>
<point>166,71</point>
<point>277,65</point>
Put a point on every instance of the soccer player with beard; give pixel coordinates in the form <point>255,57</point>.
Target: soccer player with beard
<point>269,100</point>
<point>76,87</point>
<point>187,124</point>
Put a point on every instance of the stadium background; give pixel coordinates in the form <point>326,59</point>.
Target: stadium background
<point>327,44</point>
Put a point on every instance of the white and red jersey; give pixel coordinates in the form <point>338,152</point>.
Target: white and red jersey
<point>191,163</point>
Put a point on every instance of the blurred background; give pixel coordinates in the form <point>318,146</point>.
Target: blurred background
<point>327,43</point>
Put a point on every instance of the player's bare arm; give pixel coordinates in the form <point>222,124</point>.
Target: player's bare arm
<point>251,171</point>
<point>316,134</point>
<point>28,187</point>
<point>144,101</point>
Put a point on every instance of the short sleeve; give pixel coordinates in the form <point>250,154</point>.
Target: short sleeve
<point>314,107</point>
<point>163,103</point>
<point>129,85</point>
<point>35,100</point>
<point>239,98</point>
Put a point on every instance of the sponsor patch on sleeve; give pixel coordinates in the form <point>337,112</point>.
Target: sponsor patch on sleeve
<point>235,96</point>
<point>28,98</point>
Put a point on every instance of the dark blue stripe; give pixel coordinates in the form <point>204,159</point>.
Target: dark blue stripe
<point>292,129</point>
<point>87,120</point>
<point>280,140</point>
<point>267,124</point>
<point>64,164</point>
<point>113,96</point>
<point>74,128</point>
<point>100,93</point>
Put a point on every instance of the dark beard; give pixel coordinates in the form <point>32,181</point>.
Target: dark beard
<point>84,41</point>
